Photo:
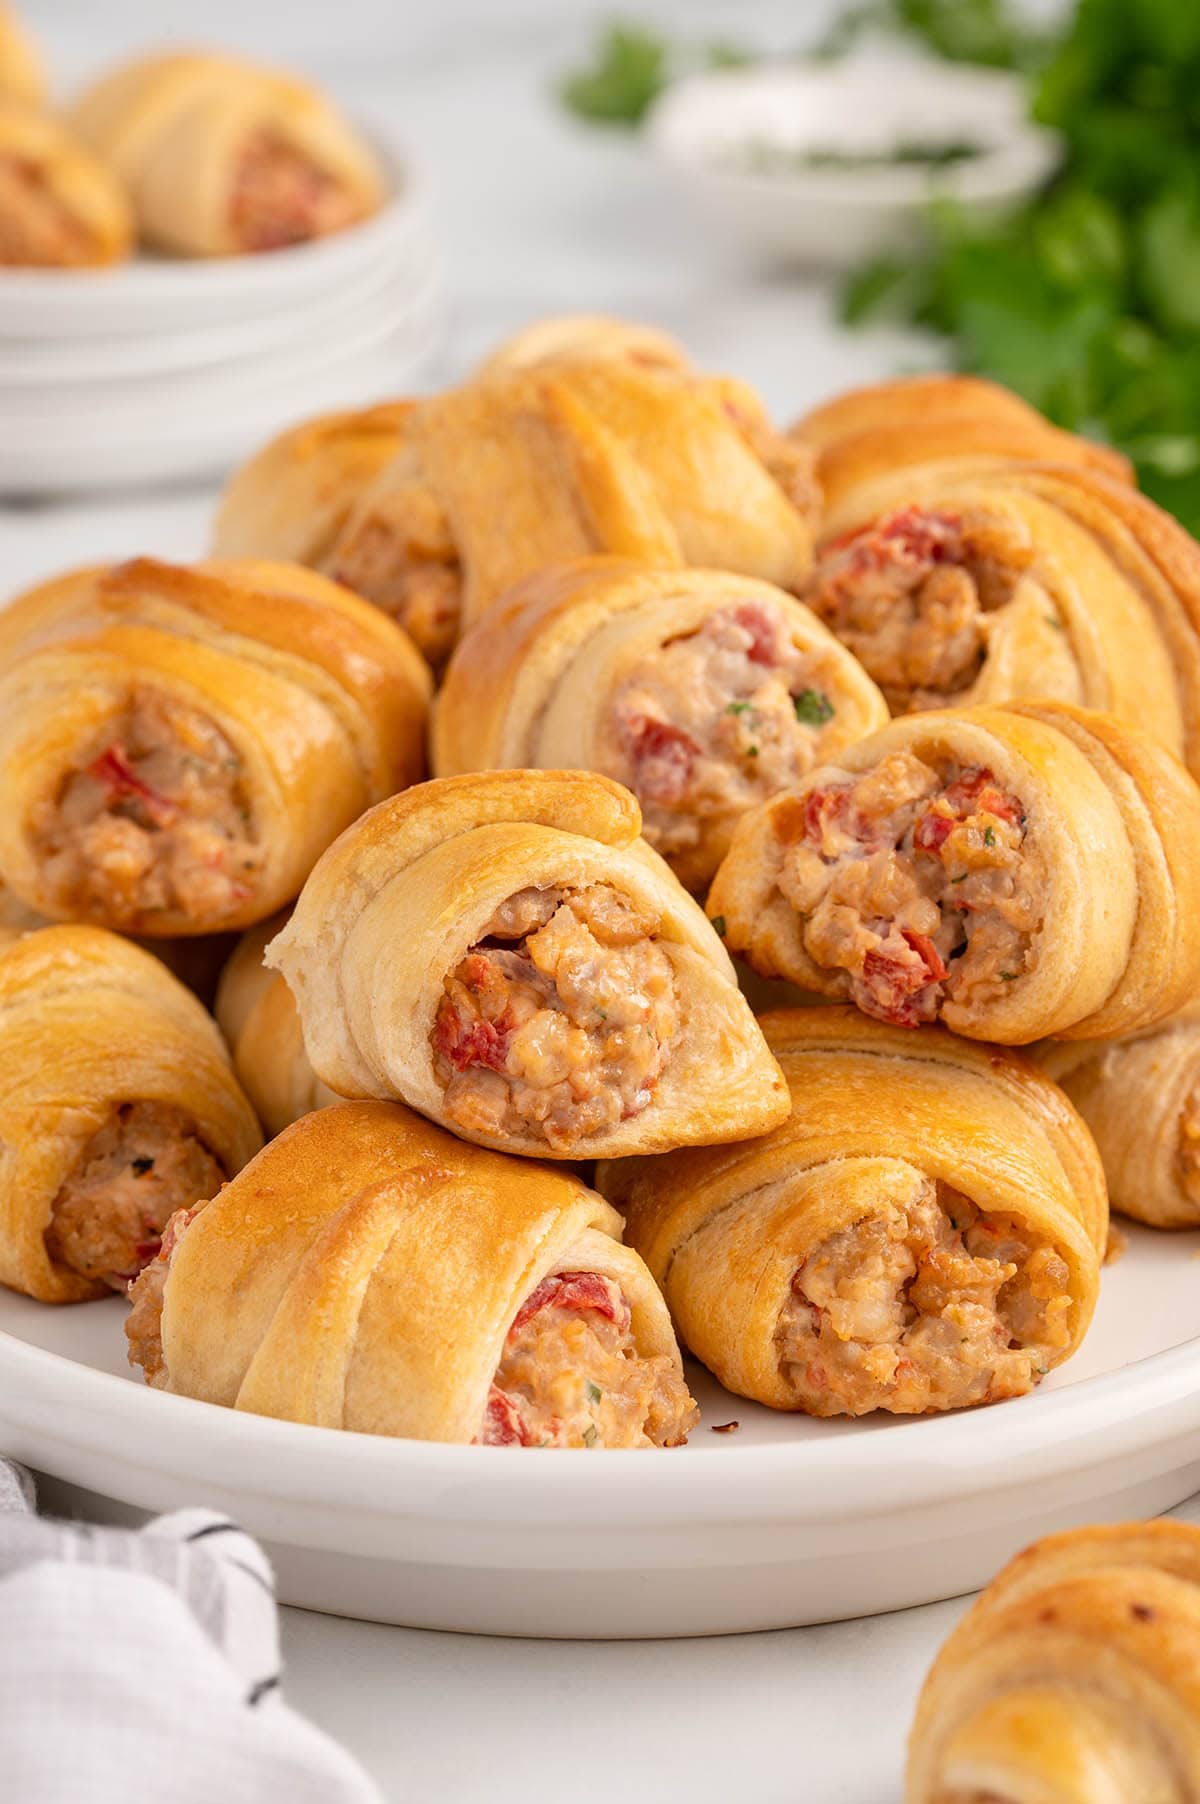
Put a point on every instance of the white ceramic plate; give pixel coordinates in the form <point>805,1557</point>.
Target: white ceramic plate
<point>170,295</point>
<point>785,1522</point>
<point>712,130</point>
<point>153,439</point>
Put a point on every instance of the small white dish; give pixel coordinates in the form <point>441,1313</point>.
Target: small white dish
<point>786,1521</point>
<point>742,143</point>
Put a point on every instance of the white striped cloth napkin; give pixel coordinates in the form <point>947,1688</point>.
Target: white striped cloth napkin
<point>148,1660</point>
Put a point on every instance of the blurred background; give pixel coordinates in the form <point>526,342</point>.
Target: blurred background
<point>755,235</point>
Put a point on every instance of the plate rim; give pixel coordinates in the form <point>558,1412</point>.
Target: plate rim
<point>286,1462</point>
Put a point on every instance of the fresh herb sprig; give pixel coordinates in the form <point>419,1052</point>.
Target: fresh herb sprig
<point>1087,300</point>
<point>629,67</point>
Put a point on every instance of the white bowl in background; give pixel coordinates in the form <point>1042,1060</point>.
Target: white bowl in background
<point>717,131</point>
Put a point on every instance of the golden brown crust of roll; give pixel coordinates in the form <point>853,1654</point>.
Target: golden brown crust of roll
<point>174,127</point>
<point>586,337</point>
<point>395,905</point>
<point>1140,1096</point>
<point>531,684</point>
<point>89,1022</point>
<point>322,700</point>
<point>1074,1676</point>
<point>876,1111</point>
<point>581,436</point>
<point>60,206</point>
<point>257,1014</point>
<point>22,77</point>
<point>1114,822</point>
<point>933,419</point>
<point>364,1271</point>
<point>292,499</point>
<point>645,461</point>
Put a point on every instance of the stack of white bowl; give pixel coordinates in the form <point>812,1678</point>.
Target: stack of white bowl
<point>161,370</point>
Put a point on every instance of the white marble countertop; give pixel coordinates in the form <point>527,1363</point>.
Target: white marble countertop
<point>538,217</point>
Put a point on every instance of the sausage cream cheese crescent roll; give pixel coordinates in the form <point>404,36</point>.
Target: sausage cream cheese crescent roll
<point>1073,1679</point>
<point>1141,1098</point>
<point>257,1014</point>
<point>1014,872</point>
<point>924,1232</point>
<point>221,157</point>
<point>535,465</point>
<point>370,1272</point>
<point>21,75</point>
<point>702,692</point>
<point>292,499</point>
<point>178,746</point>
<point>1023,582</point>
<point>505,954</point>
<point>962,421</point>
<point>60,207</point>
<point>118,1106</point>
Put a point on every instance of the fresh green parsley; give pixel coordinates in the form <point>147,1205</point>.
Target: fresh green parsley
<point>591,1435</point>
<point>594,1393</point>
<point>989,836</point>
<point>1008,976</point>
<point>718,925</point>
<point>812,708</point>
<point>739,707</point>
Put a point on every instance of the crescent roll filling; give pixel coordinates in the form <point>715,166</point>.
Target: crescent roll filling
<point>917,883</point>
<point>571,1375</point>
<point>716,720</point>
<point>155,817</point>
<point>931,1306</point>
<point>402,556</point>
<point>911,597</point>
<point>143,1324</point>
<point>282,197</point>
<point>560,1020</point>
<point>146,1162</point>
<point>35,230</point>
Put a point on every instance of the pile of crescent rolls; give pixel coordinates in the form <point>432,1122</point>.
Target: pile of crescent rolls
<point>183,153</point>
<point>499,725</point>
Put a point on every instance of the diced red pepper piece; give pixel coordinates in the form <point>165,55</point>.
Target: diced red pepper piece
<point>763,631</point>
<point>113,769</point>
<point>573,1290</point>
<point>465,1040</point>
<point>663,757</point>
<point>503,1423</point>
<point>932,831</point>
<point>977,792</point>
<point>891,982</point>
<point>925,949</point>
